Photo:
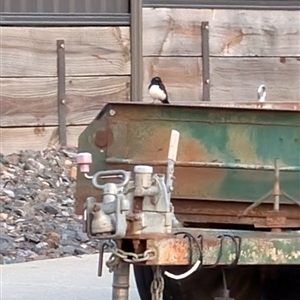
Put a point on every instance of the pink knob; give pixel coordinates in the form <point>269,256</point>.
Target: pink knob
<point>84,160</point>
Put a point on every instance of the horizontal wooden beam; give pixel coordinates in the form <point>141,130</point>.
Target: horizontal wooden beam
<point>31,51</point>
<point>177,32</point>
<point>35,138</point>
<point>32,101</point>
<point>232,79</point>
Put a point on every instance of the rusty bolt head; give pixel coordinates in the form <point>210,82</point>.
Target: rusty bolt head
<point>96,208</point>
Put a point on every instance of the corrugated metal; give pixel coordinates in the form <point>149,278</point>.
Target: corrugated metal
<point>65,12</point>
<point>42,19</point>
<point>65,6</point>
<point>230,4</point>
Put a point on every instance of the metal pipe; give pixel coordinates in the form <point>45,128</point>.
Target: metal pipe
<point>58,19</point>
<point>113,160</point>
<point>121,282</point>
<point>136,38</point>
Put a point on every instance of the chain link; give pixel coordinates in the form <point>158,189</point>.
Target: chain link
<point>158,284</point>
<point>119,255</point>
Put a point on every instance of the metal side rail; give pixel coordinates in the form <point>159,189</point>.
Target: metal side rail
<point>226,247</point>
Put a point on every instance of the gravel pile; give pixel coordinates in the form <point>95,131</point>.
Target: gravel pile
<point>37,219</point>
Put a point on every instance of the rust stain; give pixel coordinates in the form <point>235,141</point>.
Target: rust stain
<point>156,144</point>
<point>103,138</point>
<point>241,146</point>
<point>282,60</point>
<point>187,32</point>
<point>173,251</point>
<point>39,130</point>
<point>227,212</point>
<point>189,181</point>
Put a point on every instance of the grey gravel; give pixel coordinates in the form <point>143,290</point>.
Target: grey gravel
<point>37,219</point>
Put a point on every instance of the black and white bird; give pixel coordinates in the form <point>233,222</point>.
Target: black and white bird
<point>157,90</point>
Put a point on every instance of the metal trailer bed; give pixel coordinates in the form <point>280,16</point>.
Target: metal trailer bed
<point>235,196</point>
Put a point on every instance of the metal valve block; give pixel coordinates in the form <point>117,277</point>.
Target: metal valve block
<point>116,216</point>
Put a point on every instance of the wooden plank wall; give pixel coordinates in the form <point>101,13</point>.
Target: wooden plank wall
<point>247,48</point>
<point>97,70</point>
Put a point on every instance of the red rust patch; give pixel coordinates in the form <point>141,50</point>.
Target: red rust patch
<point>282,60</point>
<point>39,130</point>
<point>103,138</point>
<point>172,252</point>
<point>155,146</point>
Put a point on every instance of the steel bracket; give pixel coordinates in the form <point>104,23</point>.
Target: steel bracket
<point>61,92</point>
<point>205,61</point>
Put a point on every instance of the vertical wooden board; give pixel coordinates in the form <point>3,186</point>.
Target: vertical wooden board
<point>35,138</point>
<point>31,51</point>
<point>237,79</point>
<point>177,32</point>
<point>181,75</point>
<point>33,101</point>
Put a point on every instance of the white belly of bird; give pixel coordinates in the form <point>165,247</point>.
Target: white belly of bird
<point>156,93</point>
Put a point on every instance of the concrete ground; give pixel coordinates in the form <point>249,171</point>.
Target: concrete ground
<point>71,278</point>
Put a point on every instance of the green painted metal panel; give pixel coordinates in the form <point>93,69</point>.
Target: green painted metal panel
<point>130,134</point>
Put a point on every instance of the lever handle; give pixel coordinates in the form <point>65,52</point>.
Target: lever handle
<point>112,174</point>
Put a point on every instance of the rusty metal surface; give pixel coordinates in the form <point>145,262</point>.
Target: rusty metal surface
<point>126,134</point>
<point>257,248</point>
<point>209,212</point>
<point>268,105</point>
<point>293,106</point>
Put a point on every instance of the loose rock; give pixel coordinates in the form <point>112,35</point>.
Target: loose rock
<point>37,219</point>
